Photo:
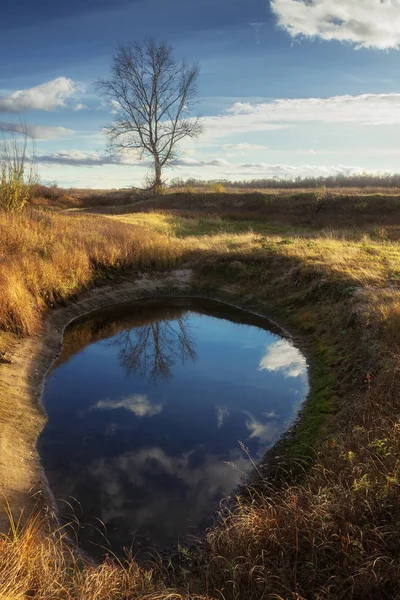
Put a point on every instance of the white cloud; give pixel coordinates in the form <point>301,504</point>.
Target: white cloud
<point>222,167</point>
<point>115,106</point>
<point>38,132</point>
<point>185,167</point>
<point>113,175</point>
<point>282,356</point>
<point>226,125</point>
<point>266,432</point>
<point>78,158</point>
<point>222,413</point>
<point>137,404</point>
<point>43,132</point>
<point>245,117</point>
<point>192,162</point>
<point>194,489</point>
<point>365,23</point>
<point>245,147</point>
<point>369,109</point>
<point>46,96</point>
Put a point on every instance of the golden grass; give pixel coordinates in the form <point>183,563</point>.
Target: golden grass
<point>45,259</point>
<point>330,531</point>
<point>344,254</point>
<point>36,562</point>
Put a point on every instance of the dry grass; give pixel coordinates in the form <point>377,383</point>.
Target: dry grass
<point>309,209</point>
<point>36,562</point>
<point>345,255</point>
<point>45,259</point>
<point>55,198</point>
<point>330,532</point>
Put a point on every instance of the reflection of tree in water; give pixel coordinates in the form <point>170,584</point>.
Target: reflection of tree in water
<point>151,350</point>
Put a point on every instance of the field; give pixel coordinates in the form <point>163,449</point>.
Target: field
<point>321,516</point>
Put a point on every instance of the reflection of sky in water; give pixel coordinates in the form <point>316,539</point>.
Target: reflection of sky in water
<point>151,456</point>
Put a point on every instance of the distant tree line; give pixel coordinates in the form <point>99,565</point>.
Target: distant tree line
<point>360,180</point>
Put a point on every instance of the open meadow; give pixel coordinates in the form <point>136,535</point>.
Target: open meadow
<point>320,516</point>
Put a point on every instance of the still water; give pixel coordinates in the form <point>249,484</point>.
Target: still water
<point>149,408</point>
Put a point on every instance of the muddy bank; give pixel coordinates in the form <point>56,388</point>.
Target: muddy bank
<point>22,417</point>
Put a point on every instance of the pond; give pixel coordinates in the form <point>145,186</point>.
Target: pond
<point>154,409</point>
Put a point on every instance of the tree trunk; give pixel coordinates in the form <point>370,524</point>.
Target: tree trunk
<point>157,178</point>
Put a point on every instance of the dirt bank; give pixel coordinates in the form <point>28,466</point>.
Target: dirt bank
<point>22,481</point>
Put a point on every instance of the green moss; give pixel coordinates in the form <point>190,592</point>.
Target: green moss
<point>321,402</point>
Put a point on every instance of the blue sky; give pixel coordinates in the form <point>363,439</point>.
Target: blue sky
<point>287,87</point>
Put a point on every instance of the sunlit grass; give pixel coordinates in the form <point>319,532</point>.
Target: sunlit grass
<point>331,533</point>
<point>351,253</point>
<point>45,259</point>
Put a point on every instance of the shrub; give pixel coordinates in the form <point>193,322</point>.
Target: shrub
<point>218,188</point>
<point>320,193</point>
<point>17,178</point>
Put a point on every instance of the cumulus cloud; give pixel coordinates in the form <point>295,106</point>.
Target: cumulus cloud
<point>284,357</point>
<point>38,132</point>
<point>132,490</point>
<point>365,23</point>
<point>137,404</point>
<point>48,96</point>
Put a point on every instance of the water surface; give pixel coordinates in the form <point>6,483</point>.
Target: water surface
<point>149,408</point>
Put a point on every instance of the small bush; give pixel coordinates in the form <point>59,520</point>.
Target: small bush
<point>17,178</point>
<point>320,193</point>
<point>14,192</point>
<point>218,188</point>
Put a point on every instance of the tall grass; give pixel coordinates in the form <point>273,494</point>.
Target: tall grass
<point>17,174</point>
<point>323,523</point>
<point>45,259</point>
<point>37,562</point>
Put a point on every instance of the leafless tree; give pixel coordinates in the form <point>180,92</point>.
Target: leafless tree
<point>153,349</point>
<point>152,94</point>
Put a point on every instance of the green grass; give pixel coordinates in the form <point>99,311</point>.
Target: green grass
<point>182,227</point>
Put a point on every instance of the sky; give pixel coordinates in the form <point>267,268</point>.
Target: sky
<point>287,88</point>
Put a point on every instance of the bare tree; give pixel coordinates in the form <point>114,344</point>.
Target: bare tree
<point>152,350</point>
<point>152,94</point>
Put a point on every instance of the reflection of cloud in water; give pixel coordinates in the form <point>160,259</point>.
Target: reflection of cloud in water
<point>271,415</point>
<point>283,356</point>
<point>265,432</point>
<point>160,495</point>
<point>138,404</point>
<point>222,413</point>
